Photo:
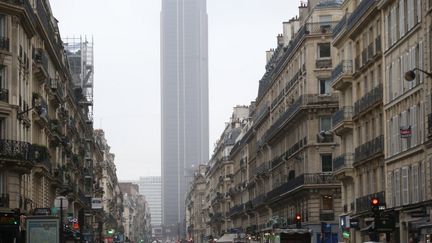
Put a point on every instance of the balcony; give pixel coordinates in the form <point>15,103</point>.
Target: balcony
<point>56,88</point>
<point>4,95</point>
<point>40,59</point>
<point>364,57</point>
<point>324,137</point>
<point>320,27</point>
<point>237,209</point>
<point>11,150</point>
<point>41,156</point>
<point>359,12</point>
<point>368,101</point>
<point>295,148</point>
<point>249,206</point>
<point>342,120</point>
<point>308,179</point>
<point>262,169</point>
<point>307,100</point>
<point>430,124</point>
<point>342,75</point>
<point>260,114</point>
<point>340,27</point>
<point>4,43</point>
<point>363,203</point>
<point>323,64</point>
<point>4,200</point>
<point>369,150</point>
<point>277,100</point>
<point>259,200</point>
<point>342,163</point>
<point>217,218</point>
<point>276,161</point>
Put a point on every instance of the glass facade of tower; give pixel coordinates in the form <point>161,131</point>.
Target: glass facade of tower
<point>184,92</point>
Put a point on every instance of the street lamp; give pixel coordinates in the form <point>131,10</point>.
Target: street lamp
<point>410,75</point>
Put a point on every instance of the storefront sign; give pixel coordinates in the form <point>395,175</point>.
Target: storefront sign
<point>405,131</point>
<point>96,203</point>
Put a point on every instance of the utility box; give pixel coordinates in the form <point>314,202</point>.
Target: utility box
<point>43,229</point>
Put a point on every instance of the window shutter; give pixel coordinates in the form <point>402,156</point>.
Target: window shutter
<point>419,11</point>
<point>422,181</point>
<point>404,123</point>
<point>414,126</point>
<point>397,135</point>
<point>393,25</point>
<point>397,188</point>
<point>415,183</point>
<point>420,62</point>
<point>389,77</point>
<point>394,76</point>
<point>390,189</point>
<point>421,123</point>
<point>388,139</point>
<point>405,186</point>
<point>401,18</point>
<point>410,14</point>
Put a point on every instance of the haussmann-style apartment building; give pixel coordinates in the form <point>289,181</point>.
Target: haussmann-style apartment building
<point>337,145</point>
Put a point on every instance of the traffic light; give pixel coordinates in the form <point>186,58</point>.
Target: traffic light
<point>375,204</point>
<point>298,221</point>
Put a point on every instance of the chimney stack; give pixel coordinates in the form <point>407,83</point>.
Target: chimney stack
<point>280,40</point>
<point>269,55</point>
<point>303,11</point>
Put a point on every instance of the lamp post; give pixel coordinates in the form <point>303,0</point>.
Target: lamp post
<point>410,75</point>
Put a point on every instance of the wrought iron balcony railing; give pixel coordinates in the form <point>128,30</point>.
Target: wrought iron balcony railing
<point>343,68</point>
<point>304,179</point>
<point>295,148</point>
<point>41,156</point>
<point>276,161</point>
<point>343,161</point>
<point>323,63</point>
<point>259,200</point>
<point>4,95</point>
<point>4,200</point>
<point>248,206</point>
<point>302,101</point>
<point>293,81</point>
<point>236,209</point>
<point>344,114</point>
<point>261,113</point>
<point>359,12</point>
<point>15,150</point>
<point>262,169</point>
<point>430,124</point>
<point>370,149</point>
<point>369,99</point>
<point>41,58</point>
<point>340,26</point>
<point>363,203</point>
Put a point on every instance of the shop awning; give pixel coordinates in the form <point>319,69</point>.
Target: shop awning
<point>227,238</point>
<point>293,231</point>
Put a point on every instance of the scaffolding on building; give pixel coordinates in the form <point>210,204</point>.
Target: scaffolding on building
<point>79,52</point>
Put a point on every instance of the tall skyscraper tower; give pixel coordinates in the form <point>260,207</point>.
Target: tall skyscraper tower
<point>184,91</point>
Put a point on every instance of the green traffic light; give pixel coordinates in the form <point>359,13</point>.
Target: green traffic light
<point>346,234</point>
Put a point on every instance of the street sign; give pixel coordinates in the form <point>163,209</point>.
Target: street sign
<point>96,203</point>
<point>354,223</point>
<point>385,222</point>
<point>61,201</point>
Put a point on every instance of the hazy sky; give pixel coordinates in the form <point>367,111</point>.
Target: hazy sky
<point>127,66</point>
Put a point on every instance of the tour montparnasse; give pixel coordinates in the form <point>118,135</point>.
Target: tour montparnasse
<point>335,147</point>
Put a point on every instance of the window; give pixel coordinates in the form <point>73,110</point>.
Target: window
<point>397,188</point>
<point>415,183</point>
<point>325,22</point>
<point>326,163</point>
<point>324,50</point>
<point>324,87</point>
<point>325,123</point>
<point>2,25</point>
<point>405,186</point>
<point>327,202</point>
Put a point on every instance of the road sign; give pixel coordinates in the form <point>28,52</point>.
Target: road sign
<point>61,201</point>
